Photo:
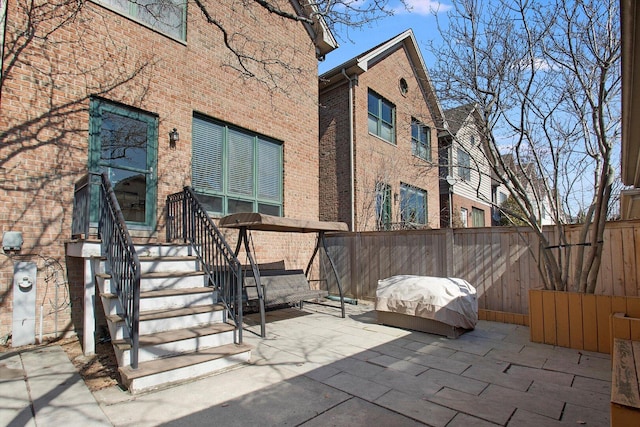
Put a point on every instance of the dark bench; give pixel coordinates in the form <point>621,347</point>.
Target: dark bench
<point>280,287</point>
<point>625,371</point>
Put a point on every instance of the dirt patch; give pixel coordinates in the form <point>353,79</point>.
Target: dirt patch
<point>98,371</point>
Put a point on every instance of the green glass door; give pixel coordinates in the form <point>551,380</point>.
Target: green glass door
<point>124,144</point>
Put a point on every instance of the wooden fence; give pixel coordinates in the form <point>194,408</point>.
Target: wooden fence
<point>495,260</point>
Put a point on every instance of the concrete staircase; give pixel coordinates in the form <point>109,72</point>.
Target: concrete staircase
<point>183,332</point>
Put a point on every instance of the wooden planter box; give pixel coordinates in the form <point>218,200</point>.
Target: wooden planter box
<point>576,320</point>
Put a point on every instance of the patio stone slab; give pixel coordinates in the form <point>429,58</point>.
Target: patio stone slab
<point>407,384</point>
<point>403,366</point>
<point>55,387</point>
<point>551,353</point>
<point>540,375</point>
<point>416,408</point>
<point>587,399</point>
<point>453,381</point>
<point>597,372</point>
<point>466,420</point>
<point>542,405</point>
<point>523,418</point>
<point>444,364</point>
<point>486,409</point>
<point>496,376</point>
<point>433,349</point>
<point>15,406</point>
<point>517,358</point>
<point>360,387</point>
<point>579,415</point>
<point>590,384</point>
<point>356,412</point>
<point>357,367</point>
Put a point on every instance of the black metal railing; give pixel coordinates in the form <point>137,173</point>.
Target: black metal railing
<point>116,246</point>
<point>188,221</point>
<point>81,205</point>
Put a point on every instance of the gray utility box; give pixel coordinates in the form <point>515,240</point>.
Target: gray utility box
<point>24,304</point>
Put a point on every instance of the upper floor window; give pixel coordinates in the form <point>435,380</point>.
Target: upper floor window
<point>382,117</point>
<point>420,140</point>
<point>235,170</point>
<point>464,165</point>
<point>413,205</point>
<point>166,16</point>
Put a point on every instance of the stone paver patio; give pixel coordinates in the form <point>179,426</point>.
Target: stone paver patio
<point>317,369</point>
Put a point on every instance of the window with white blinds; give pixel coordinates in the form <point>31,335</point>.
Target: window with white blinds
<point>235,170</point>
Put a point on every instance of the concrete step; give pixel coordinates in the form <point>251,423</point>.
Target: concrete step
<point>171,343</point>
<point>156,264</point>
<point>167,320</point>
<point>157,281</point>
<point>163,372</point>
<point>163,249</point>
<point>164,299</point>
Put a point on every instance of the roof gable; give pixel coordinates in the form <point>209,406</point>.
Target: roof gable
<point>361,63</point>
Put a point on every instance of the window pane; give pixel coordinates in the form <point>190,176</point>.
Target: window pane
<point>386,132</point>
<point>131,192</point>
<point>163,15</point>
<point>269,209</point>
<point>373,105</point>
<point>269,170</point>
<point>210,203</point>
<point>123,141</point>
<point>387,112</point>
<point>207,156</point>
<point>373,125</point>
<point>240,163</point>
<point>235,206</point>
<point>413,205</point>
<point>477,215</point>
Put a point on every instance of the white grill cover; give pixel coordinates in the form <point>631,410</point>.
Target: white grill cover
<point>445,299</point>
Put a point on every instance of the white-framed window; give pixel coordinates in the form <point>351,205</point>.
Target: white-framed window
<point>166,16</point>
<point>420,140</point>
<point>464,217</point>
<point>477,216</point>
<point>382,117</point>
<point>235,170</point>
<point>464,165</point>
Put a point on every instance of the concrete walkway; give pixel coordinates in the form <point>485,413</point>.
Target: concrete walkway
<point>316,369</point>
<point>41,387</point>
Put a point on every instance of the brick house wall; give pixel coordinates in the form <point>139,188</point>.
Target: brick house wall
<point>375,159</point>
<point>44,124</point>
<point>334,162</point>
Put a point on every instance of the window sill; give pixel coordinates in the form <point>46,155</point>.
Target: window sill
<point>382,139</point>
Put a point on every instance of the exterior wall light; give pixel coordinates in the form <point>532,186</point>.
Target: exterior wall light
<point>174,137</point>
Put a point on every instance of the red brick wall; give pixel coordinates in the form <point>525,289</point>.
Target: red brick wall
<point>44,120</point>
<point>376,159</point>
<point>335,172</point>
<point>462,202</point>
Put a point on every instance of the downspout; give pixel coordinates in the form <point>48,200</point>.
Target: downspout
<point>351,157</point>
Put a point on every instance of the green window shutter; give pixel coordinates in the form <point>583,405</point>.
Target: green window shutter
<point>207,166</point>
<point>240,149</point>
<point>269,176</point>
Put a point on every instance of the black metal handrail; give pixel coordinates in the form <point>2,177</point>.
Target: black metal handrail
<point>188,221</point>
<point>117,247</point>
<point>122,260</point>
